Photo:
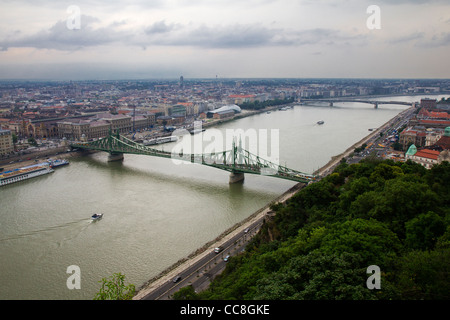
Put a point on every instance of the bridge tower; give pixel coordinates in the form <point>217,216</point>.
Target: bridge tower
<point>114,156</point>
<point>235,175</point>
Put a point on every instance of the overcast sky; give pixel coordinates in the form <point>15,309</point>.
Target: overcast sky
<point>141,39</point>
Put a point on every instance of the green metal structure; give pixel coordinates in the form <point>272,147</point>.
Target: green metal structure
<point>236,160</point>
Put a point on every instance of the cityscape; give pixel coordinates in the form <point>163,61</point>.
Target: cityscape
<point>57,110</point>
<point>331,182</point>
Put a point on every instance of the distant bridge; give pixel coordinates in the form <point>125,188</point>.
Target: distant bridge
<point>375,103</point>
<point>237,160</point>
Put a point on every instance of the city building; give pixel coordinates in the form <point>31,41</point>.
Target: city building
<point>444,142</point>
<point>100,125</point>
<point>6,142</point>
<point>431,155</point>
<point>224,111</point>
<point>226,114</point>
<point>412,136</point>
<point>429,104</point>
<point>426,157</point>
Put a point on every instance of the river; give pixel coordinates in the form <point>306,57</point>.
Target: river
<point>156,212</point>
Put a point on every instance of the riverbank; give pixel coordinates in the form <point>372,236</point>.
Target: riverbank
<point>177,268</point>
<point>329,167</point>
<point>182,264</point>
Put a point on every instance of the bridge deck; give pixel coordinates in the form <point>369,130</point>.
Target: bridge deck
<point>236,160</point>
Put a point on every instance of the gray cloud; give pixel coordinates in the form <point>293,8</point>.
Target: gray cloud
<point>160,27</point>
<point>161,33</point>
<point>438,40</point>
<point>60,37</point>
<point>407,38</point>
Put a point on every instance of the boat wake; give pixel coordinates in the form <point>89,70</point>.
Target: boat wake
<point>77,225</point>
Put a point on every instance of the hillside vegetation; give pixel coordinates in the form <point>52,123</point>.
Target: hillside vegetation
<point>321,242</point>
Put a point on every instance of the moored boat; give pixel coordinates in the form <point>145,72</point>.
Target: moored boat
<point>58,163</point>
<point>24,173</point>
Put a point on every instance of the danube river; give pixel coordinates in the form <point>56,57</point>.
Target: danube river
<point>156,212</point>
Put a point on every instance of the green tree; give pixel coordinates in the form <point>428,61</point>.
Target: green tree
<point>186,293</point>
<point>423,275</point>
<point>370,239</point>
<point>32,141</point>
<point>114,288</point>
<point>423,231</point>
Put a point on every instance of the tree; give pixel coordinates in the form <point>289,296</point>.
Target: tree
<point>186,293</point>
<point>423,231</point>
<point>423,275</point>
<point>114,288</point>
<point>370,239</point>
<point>32,141</point>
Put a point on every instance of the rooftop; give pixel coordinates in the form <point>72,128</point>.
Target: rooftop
<point>427,153</point>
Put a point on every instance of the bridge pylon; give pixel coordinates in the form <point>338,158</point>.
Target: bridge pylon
<point>115,156</point>
<point>236,177</point>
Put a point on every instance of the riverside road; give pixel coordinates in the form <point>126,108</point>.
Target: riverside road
<point>200,272</point>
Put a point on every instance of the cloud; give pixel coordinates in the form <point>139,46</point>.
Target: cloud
<point>61,37</point>
<point>407,38</point>
<point>162,33</point>
<point>438,40</point>
<point>160,27</point>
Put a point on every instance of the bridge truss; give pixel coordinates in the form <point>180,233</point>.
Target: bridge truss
<point>237,160</point>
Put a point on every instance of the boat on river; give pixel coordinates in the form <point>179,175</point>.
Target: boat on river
<point>320,122</point>
<point>96,216</point>
<point>24,173</point>
<point>58,163</point>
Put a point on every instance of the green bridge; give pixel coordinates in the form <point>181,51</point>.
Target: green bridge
<point>237,160</point>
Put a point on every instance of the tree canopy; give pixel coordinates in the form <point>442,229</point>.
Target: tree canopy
<point>322,240</point>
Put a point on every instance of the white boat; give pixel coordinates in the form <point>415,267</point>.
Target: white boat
<point>160,140</point>
<point>58,163</point>
<point>96,216</point>
<point>25,173</point>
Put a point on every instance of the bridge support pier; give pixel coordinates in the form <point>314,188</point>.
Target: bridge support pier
<point>331,104</point>
<point>375,105</point>
<point>115,157</point>
<point>236,177</point>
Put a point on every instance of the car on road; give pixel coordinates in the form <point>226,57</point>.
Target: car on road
<point>218,249</point>
<point>226,258</point>
<point>176,279</point>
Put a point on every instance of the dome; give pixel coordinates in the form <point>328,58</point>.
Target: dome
<point>412,150</point>
<point>447,132</point>
<point>233,107</point>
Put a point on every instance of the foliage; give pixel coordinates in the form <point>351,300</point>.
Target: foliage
<point>321,241</point>
<point>114,288</point>
<point>185,293</point>
<point>257,105</point>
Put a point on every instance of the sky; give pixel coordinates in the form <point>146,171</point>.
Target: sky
<point>146,39</point>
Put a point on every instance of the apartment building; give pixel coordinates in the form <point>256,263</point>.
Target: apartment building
<point>6,142</point>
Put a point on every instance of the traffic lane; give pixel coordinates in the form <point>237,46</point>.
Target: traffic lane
<point>194,273</point>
